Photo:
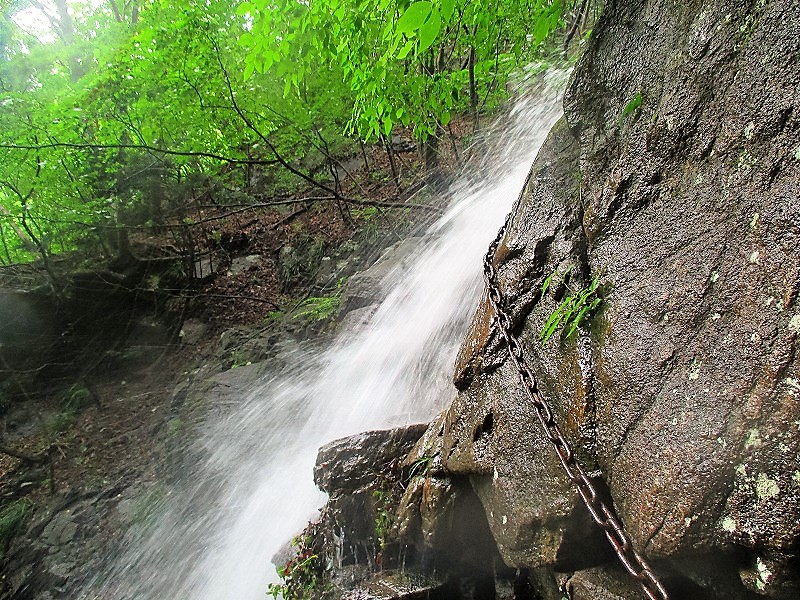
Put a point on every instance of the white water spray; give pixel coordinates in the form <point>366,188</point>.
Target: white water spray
<point>256,490</point>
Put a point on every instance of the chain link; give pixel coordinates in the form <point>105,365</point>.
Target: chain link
<point>600,511</point>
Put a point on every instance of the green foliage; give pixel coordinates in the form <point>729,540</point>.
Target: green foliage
<point>104,124</point>
<point>571,312</point>
<point>318,308</point>
<point>419,467</point>
<point>175,426</point>
<point>301,577</point>
<point>61,422</point>
<point>383,515</point>
<point>273,317</point>
<point>407,63</point>
<point>12,518</point>
<point>631,107</point>
<point>102,128</point>
<point>76,398</point>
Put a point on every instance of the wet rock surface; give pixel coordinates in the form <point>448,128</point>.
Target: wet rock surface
<point>673,181</point>
<point>397,526</point>
<point>348,464</point>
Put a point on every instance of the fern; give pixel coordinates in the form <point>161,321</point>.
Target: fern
<point>571,312</point>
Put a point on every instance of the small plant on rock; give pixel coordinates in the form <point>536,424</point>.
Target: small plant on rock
<point>12,518</point>
<point>318,308</point>
<point>419,467</point>
<point>302,576</point>
<point>573,309</point>
<point>631,107</point>
<point>383,516</point>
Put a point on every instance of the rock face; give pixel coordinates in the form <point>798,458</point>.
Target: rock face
<point>359,474</point>
<point>673,179</point>
<point>396,525</point>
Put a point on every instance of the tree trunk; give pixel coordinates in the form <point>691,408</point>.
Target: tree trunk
<point>430,153</point>
<point>473,92</point>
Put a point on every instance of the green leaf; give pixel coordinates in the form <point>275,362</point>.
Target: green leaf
<point>409,45</point>
<point>445,118</point>
<point>631,106</point>
<point>414,17</point>
<point>576,322</point>
<point>546,283</point>
<point>249,67</point>
<point>547,21</point>
<point>446,9</point>
<point>429,30</point>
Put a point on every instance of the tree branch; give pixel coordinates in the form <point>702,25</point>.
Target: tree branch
<point>88,146</point>
<point>246,120</point>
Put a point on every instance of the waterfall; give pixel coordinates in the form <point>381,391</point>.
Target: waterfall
<point>255,489</point>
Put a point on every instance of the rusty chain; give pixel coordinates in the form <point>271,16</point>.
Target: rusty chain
<point>601,512</point>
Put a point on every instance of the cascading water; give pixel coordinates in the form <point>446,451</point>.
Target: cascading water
<point>255,491</point>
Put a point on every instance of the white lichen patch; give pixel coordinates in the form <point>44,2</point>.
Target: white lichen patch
<point>694,369</point>
<point>797,153</point>
<point>796,477</point>
<point>728,524</point>
<point>716,316</point>
<point>766,488</point>
<point>753,439</point>
<point>794,323</point>
<point>741,470</point>
<point>714,277</point>
<point>764,574</point>
<point>748,130</point>
<point>754,257</point>
<point>504,519</point>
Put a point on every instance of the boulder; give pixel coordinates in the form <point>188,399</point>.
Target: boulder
<point>353,463</point>
<point>371,285</point>
<point>672,181</point>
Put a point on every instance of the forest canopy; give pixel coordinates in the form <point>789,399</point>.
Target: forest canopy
<point>114,112</point>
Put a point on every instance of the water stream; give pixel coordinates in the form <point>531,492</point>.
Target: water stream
<point>255,490</point>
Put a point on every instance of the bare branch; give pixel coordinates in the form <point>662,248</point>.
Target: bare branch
<point>88,146</point>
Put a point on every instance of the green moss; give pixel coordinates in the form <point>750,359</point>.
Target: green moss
<point>176,425</point>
